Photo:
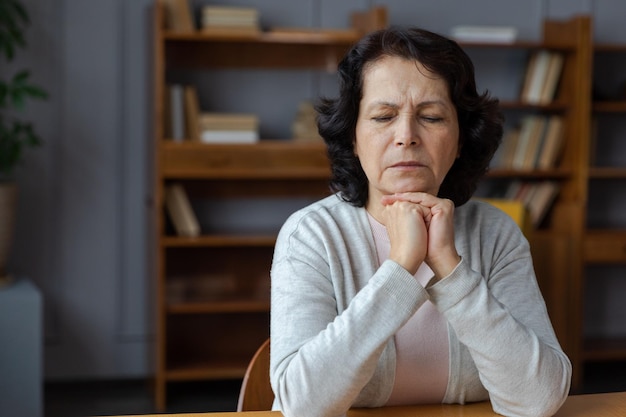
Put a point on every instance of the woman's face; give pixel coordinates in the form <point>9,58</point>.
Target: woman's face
<point>407,133</point>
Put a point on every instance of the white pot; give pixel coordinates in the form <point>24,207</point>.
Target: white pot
<point>8,204</point>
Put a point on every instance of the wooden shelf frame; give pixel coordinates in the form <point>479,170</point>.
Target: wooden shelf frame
<point>278,167</point>
<point>605,246</point>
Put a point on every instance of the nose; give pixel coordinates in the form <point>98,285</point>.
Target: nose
<point>407,132</point>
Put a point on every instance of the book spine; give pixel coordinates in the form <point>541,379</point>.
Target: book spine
<point>177,112</point>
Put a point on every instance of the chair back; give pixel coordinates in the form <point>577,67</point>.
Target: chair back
<point>256,392</point>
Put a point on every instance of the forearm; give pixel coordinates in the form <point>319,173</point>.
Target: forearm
<point>321,360</point>
<point>515,351</point>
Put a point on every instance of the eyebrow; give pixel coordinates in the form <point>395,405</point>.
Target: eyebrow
<point>393,105</point>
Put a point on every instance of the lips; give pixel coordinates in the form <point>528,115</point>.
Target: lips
<point>407,164</point>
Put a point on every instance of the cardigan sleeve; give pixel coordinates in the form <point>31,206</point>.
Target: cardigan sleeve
<point>502,320</point>
<point>327,334</point>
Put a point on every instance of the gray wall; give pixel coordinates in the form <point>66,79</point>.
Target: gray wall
<point>82,227</point>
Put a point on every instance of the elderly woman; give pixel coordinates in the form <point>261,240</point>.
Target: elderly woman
<point>399,289</point>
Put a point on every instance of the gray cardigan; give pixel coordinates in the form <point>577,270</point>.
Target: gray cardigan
<point>335,310</point>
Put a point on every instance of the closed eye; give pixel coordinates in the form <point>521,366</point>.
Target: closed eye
<point>432,119</point>
<point>382,119</point>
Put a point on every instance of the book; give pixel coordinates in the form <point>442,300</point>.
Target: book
<point>484,34</point>
<point>534,144</point>
<point>192,113</point>
<point>537,70</point>
<point>537,197</point>
<point>175,119</point>
<point>180,211</point>
<point>230,18</point>
<point>228,121</point>
<point>552,77</point>
<point>545,194</point>
<point>503,157</point>
<point>229,128</point>
<point>304,126</point>
<point>178,16</point>
<point>529,128</point>
<point>229,136</point>
<point>552,146</point>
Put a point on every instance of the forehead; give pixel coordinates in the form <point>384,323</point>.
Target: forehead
<point>399,75</point>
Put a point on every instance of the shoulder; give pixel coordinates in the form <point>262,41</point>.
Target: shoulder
<point>480,219</point>
<point>327,216</point>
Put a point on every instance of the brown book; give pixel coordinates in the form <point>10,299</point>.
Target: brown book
<point>538,68</point>
<point>552,145</point>
<point>529,127</point>
<point>534,144</point>
<point>507,151</point>
<point>542,200</point>
<point>178,16</point>
<point>228,121</point>
<point>180,211</point>
<point>192,113</point>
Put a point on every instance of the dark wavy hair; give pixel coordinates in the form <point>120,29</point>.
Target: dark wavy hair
<point>479,117</point>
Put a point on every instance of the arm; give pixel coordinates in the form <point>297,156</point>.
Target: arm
<point>501,318</point>
<point>328,334</point>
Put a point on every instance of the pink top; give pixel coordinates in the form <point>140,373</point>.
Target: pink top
<point>422,350</point>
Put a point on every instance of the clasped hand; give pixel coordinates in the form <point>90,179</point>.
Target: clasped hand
<point>421,229</point>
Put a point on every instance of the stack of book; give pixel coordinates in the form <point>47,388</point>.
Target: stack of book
<point>536,144</point>
<point>223,19</point>
<point>229,128</point>
<point>537,197</point>
<point>541,80</point>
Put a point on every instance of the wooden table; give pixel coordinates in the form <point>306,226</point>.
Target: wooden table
<point>592,405</point>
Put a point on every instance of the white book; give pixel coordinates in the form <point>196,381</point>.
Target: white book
<point>553,74</point>
<point>537,78</point>
<point>229,136</point>
<point>487,34</point>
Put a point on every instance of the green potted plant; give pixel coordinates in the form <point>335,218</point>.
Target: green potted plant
<point>16,134</point>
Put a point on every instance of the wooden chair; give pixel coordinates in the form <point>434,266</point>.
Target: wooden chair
<point>256,392</point>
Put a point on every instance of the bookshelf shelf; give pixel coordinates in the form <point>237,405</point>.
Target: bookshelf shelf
<point>604,349</point>
<point>615,106</point>
<point>607,172</point>
<point>234,306</point>
<point>605,246</point>
<point>222,240</point>
<point>554,107</point>
<point>566,46</point>
<point>265,160</point>
<point>547,174</point>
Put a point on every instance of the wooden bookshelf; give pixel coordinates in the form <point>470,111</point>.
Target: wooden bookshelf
<point>186,348</point>
<point>605,244</point>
